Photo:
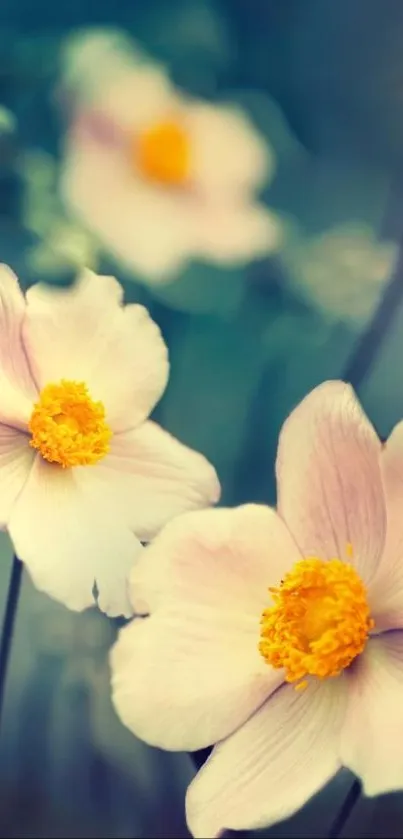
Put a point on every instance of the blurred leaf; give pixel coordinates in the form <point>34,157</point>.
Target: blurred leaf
<point>302,350</point>
<point>215,370</point>
<point>203,289</point>
<point>192,37</point>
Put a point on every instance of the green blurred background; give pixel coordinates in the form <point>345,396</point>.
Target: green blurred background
<point>323,81</point>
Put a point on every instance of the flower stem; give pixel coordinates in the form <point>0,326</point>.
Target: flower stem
<point>370,342</point>
<point>346,810</point>
<point>8,624</point>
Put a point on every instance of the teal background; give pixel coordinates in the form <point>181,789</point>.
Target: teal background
<point>324,82</point>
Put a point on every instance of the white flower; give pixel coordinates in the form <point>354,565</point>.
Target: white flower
<point>81,467</point>
<point>342,272</point>
<point>269,631</point>
<point>161,178</point>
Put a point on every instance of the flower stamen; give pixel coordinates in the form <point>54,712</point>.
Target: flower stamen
<point>319,621</point>
<point>162,153</point>
<point>68,427</point>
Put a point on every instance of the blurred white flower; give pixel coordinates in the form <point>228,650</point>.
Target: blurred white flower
<point>159,177</point>
<point>79,375</point>
<point>341,272</point>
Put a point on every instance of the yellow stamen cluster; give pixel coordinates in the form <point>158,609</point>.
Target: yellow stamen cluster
<point>319,621</point>
<point>162,153</point>
<point>68,427</point>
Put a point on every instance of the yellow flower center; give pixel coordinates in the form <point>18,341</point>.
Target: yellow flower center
<point>68,427</point>
<point>319,621</point>
<point>162,153</point>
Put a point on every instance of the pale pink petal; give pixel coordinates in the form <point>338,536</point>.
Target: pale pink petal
<point>154,477</point>
<point>223,559</point>
<point>151,230</point>
<point>85,334</point>
<point>273,764</point>
<point>371,744</point>
<point>237,232</point>
<point>16,458</point>
<point>191,673</point>
<point>71,540</point>
<point>230,157</point>
<point>386,590</point>
<point>329,480</point>
<point>17,388</point>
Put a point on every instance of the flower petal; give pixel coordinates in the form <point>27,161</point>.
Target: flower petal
<point>17,388</point>
<point>128,215</point>
<point>182,685</point>
<point>224,560</point>
<point>234,233</point>
<point>16,458</point>
<point>329,481</point>
<point>273,764</point>
<point>110,72</point>
<point>70,540</point>
<point>155,477</point>
<point>137,96</point>
<point>230,157</point>
<point>386,590</point>
<point>375,708</point>
<point>85,334</point>
<point>191,673</point>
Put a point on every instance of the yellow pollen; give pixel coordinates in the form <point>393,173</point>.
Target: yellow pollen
<point>319,621</point>
<point>68,427</point>
<point>162,153</point>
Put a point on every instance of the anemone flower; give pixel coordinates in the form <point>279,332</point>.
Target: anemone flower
<point>84,475</point>
<point>144,162</point>
<point>270,632</point>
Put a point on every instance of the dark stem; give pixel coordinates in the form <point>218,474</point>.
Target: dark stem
<point>345,812</point>
<point>8,625</point>
<point>371,341</point>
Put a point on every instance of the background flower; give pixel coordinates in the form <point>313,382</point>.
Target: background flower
<point>158,176</point>
<point>342,271</point>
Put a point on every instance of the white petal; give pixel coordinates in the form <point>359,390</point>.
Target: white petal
<point>329,480</point>
<point>70,540</point>
<point>113,76</point>
<point>138,97</point>
<point>155,477</point>
<point>273,764</point>
<point>150,230</point>
<point>17,387</point>
<point>16,458</point>
<point>85,334</point>
<point>371,743</point>
<point>90,58</point>
<point>386,590</point>
<point>182,683</point>
<point>234,233</point>
<point>230,157</point>
<point>191,673</point>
